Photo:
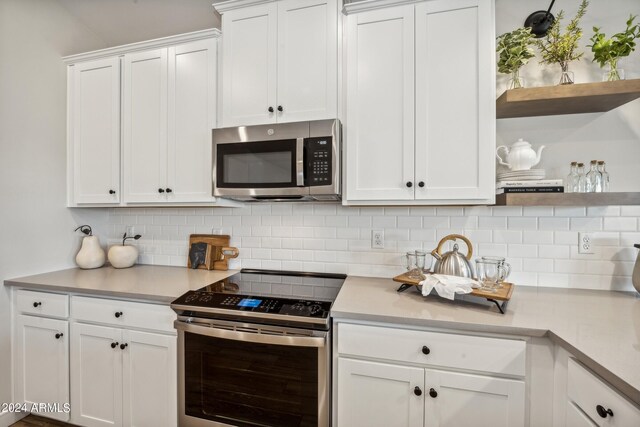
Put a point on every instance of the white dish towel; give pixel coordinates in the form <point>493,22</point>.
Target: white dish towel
<point>448,286</point>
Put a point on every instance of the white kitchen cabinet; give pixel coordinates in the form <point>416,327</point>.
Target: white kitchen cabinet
<point>389,375</point>
<point>121,376</point>
<point>376,394</point>
<point>94,132</point>
<point>420,121</point>
<point>279,61</point>
<point>577,418</point>
<point>169,111</point>
<point>41,379</point>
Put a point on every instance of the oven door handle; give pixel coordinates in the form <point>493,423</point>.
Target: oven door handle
<point>300,162</point>
<point>284,340</point>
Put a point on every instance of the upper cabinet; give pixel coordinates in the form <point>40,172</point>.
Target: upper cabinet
<point>153,146</point>
<point>279,61</point>
<point>420,115</point>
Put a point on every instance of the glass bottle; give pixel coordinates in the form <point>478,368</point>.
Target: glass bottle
<point>572,179</point>
<point>605,176</point>
<point>582,180</point>
<point>594,179</point>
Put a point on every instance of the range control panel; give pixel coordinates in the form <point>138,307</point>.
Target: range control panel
<point>319,159</point>
<point>304,308</point>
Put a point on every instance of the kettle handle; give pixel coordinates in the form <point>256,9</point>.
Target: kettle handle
<point>454,237</point>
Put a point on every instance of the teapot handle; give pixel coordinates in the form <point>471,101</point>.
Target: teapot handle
<point>454,237</point>
<point>500,158</point>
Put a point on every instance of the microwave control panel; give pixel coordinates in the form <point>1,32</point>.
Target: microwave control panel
<point>319,168</point>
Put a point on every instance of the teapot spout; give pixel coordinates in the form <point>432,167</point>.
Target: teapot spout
<point>539,155</point>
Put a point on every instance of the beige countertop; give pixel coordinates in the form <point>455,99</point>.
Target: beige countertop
<point>141,282</point>
<point>601,329</point>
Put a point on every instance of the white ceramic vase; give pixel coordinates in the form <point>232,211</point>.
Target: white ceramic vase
<point>91,255</point>
<point>123,256</point>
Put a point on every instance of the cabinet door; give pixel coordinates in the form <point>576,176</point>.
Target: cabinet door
<point>96,375</point>
<point>150,380</point>
<point>374,394</point>
<point>249,65</point>
<point>41,379</point>
<point>94,131</point>
<point>577,418</point>
<point>472,400</point>
<point>145,126</point>
<point>380,110</point>
<point>307,60</point>
<point>455,101</point>
<point>192,113</point>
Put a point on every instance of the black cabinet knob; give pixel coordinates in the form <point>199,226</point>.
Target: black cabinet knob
<point>114,344</point>
<point>169,190</point>
<point>409,184</point>
<point>123,346</point>
<point>604,412</point>
<point>160,190</point>
<point>417,391</point>
<point>433,393</point>
<point>37,304</point>
<point>280,108</point>
<point>421,184</point>
<point>58,335</point>
<point>118,313</point>
<point>270,109</point>
<point>425,349</point>
<point>112,191</point>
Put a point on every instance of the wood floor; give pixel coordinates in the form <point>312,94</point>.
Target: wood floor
<point>34,421</point>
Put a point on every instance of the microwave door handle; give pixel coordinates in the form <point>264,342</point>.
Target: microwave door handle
<point>300,162</point>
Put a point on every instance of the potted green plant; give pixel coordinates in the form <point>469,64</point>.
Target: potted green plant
<point>562,47</point>
<point>609,51</point>
<point>514,50</point>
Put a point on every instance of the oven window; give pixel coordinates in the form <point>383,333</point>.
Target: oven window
<point>250,384</point>
<point>256,164</point>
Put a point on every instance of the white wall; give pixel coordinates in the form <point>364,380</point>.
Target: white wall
<point>36,229</point>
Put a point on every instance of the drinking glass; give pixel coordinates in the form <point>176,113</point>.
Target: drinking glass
<point>410,262</point>
<point>488,273</point>
<point>421,256</point>
<point>504,268</point>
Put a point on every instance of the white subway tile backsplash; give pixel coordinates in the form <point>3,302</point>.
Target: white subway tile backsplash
<point>541,243</point>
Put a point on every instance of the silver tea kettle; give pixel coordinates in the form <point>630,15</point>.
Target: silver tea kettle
<point>453,263</point>
<point>635,278</point>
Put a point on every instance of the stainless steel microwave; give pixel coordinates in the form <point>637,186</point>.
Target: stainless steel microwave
<point>278,162</point>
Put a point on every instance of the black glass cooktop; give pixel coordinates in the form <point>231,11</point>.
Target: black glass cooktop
<point>266,292</point>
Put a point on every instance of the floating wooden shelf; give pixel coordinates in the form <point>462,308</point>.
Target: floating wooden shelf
<point>568,199</point>
<point>566,99</point>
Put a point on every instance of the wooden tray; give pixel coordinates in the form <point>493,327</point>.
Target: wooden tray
<point>502,294</point>
<point>218,251</point>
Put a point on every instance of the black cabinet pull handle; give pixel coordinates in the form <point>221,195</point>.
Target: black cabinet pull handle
<point>114,344</point>
<point>37,304</point>
<point>112,191</point>
<point>270,109</point>
<point>433,393</point>
<point>123,346</point>
<point>160,190</point>
<point>425,349</point>
<point>119,313</point>
<point>409,184</point>
<point>58,335</point>
<point>421,184</point>
<point>280,108</point>
<point>169,190</point>
<point>417,391</point>
<point>604,412</point>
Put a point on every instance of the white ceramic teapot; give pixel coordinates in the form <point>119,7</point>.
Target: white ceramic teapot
<point>520,156</point>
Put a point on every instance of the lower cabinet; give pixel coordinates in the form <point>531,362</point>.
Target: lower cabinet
<point>577,418</point>
<point>122,377</point>
<point>40,379</point>
<point>426,387</point>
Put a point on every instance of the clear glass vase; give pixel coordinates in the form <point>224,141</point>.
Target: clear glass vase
<point>614,73</point>
<point>566,78</point>
<point>515,81</point>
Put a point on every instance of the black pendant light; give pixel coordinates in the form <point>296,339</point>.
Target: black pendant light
<point>540,21</point>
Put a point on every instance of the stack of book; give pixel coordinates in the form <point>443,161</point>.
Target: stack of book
<point>530,186</point>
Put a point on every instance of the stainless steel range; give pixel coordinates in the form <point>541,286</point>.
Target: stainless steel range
<point>255,350</point>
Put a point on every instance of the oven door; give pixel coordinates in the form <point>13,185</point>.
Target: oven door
<point>252,375</point>
<point>265,168</point>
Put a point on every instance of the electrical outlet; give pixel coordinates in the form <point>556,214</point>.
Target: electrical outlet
<point>585,243</point>
<point>377,239</point>
<point>130,230</point>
